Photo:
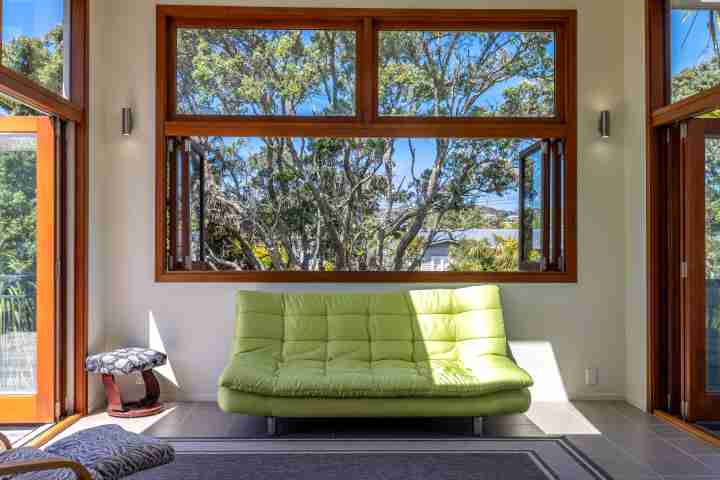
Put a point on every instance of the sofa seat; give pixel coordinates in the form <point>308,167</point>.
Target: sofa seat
<point>382,378</point>
<point>440,348</point>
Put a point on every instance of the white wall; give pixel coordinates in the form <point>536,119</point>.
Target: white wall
<point>634,138</point>
<point>585,322</point>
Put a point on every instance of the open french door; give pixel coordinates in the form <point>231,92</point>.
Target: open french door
<point>27,271</point>
<point>700,269</point>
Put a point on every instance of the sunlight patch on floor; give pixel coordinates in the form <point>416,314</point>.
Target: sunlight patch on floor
<point>135,425</point>
<point>560,418</point>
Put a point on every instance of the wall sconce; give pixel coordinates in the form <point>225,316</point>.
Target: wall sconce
<point>127,121</point>
<point>605,124</point>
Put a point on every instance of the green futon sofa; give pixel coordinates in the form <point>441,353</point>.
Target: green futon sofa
<point>426,353</point>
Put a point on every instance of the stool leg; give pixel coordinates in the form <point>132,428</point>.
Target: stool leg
<point>152,387</point>
<point>112,393</point>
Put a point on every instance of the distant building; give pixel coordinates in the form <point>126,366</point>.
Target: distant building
<point>437,256</point>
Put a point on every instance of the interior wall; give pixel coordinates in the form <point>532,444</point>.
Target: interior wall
<point>634,114</point>
<point>584,323</point>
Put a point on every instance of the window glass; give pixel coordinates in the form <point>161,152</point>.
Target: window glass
<point>695,47</point>
<point>265,72</point>
<point>467,74</point>
<point>18,251</point>
<point>33,41</point>
<point>327,204</point>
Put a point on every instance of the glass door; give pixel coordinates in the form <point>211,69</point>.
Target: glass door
<point>27,269</point>
<point>700,269</point>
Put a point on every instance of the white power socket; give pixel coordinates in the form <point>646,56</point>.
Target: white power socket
<point>591,376</point>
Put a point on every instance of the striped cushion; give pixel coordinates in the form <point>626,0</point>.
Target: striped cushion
<point>26,454</point>
<point>109,452</point>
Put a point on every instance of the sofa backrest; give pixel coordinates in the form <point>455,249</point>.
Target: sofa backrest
<point>417,325</point>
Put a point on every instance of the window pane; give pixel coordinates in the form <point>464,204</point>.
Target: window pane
<point>467,74</point>
<point>532,206</point>
<point>33,33</point>
<point>695,47</point>
<point>266,72</point>
<point>301,204</point>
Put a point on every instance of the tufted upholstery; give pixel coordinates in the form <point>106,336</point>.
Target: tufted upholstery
<point>424,343</point>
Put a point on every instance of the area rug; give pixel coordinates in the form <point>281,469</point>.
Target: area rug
<point>473,459</point>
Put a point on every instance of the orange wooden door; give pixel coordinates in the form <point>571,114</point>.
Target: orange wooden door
<point>27,331</point>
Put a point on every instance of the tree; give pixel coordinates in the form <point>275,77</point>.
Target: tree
<point>353,204</point>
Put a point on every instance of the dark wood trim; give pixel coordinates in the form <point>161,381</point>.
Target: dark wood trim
<point>480,128</point>
<point>63,256</point>
<point>79,84</point>
<point>687,108</point>
<point>30,93</point>
<point>421,15</point>
<point>367,122</point>
<point>365,277</point>
<point>656,82</point>
<point>688,427</point>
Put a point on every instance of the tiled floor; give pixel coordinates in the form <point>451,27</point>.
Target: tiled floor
<point>626,442</point>
<point>19,434</point>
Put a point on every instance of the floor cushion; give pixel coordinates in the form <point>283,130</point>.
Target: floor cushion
<point>25,454</point>
<point>109,452</point>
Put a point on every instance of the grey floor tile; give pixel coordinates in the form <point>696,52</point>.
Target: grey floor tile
<point>712,461</point>
<point>665,430</point>
<point>610,457</point>
<point>692,445</point>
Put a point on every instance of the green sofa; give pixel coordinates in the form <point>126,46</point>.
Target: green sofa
<point>429,353</point>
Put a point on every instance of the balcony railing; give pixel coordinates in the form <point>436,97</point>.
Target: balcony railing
<point>18,340</point>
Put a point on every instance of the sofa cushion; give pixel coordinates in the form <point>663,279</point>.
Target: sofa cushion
<point>419,343</point>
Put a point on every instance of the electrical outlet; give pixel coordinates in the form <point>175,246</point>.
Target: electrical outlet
<point>591,376</point>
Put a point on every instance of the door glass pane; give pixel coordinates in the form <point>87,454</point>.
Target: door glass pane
<point>18,352</point>
<point>712,262</point>
<point>33,40</point>
<point>265,72</point>
<point>467,74</point>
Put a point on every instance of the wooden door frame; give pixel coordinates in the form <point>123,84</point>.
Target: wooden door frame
<point>661,113</point>
<point>39,407</point>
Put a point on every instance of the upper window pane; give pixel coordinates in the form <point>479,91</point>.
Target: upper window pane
<point>33,33</point>
<point>467,74</point>
<point>695,47</point>
<point>265,72</point>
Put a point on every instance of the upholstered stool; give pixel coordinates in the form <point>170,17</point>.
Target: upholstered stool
<point>125,361</point>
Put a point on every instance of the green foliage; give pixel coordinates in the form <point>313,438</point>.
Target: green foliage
<point>355,204</point>
<point>501,255</point>
<point>39,59</point>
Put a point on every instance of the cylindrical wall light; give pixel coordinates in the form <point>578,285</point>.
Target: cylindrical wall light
<point>605,124</point>
<point>127,121</point>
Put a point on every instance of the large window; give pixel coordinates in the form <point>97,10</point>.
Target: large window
<point>331,145</point>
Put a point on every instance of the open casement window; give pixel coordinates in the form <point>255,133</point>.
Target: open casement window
<point>365,145</point>
<point>540,199</point>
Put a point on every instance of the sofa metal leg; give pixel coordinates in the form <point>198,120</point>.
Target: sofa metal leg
<point>272,426</point>
<point>478,426</point>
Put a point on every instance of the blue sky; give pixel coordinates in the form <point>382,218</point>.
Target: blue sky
<point>30,17</point>
<point>690,39</point>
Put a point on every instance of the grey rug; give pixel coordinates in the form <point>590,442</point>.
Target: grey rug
<point>287,459</point>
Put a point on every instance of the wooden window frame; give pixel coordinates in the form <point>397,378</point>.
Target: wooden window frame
<point>367,122</point>
<point>73,109</point>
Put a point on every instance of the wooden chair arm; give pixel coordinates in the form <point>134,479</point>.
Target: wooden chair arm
<point>14,468</point>
<point>5,442</point>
